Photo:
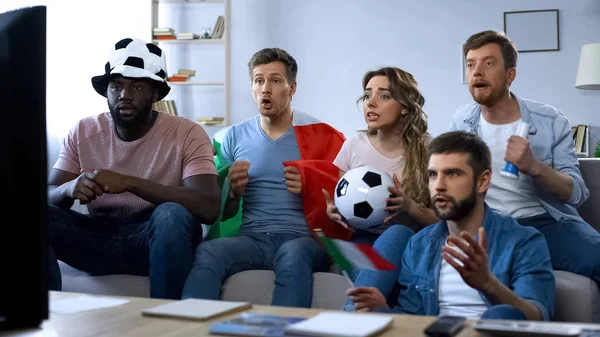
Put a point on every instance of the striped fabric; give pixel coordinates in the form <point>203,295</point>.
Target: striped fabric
<point>349,256</point>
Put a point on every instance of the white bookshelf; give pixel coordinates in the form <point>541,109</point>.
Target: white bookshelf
<point>190,41</point>
<point>189,1</point>
<point>198,83</point>
<point>207,94</point>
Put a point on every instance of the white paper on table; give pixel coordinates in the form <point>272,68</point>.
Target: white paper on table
<point>83,303</point>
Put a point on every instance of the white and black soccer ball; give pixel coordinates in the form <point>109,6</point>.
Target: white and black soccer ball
<point>360,196</point>
<point>134,58</point>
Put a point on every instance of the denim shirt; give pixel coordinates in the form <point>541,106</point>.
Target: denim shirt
<point>517,255</point>
<point>551,142</point>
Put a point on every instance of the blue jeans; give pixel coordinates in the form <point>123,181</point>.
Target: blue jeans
<point>390,245</point>
<point>160,247</point>
<point>574,245</point>
<point>504,311</point>
<point>294,258</point>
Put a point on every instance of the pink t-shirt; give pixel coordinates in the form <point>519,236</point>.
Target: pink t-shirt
<point>175,148</point>
<point>358,151</point>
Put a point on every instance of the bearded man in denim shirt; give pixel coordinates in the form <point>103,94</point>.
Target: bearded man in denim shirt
<point>549,187</point>
<point>474,263</point>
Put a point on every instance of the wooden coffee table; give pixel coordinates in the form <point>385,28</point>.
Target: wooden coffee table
<point>126,320</point>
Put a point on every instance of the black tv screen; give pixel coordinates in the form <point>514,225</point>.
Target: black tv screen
<point>23,168</point>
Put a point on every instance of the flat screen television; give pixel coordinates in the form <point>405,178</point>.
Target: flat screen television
<point>23,168</point>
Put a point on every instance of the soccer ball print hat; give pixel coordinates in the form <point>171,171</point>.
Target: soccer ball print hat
<point>138,59</point>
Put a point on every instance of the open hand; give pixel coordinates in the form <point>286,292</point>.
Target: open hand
<point>111,182</point>
<point>293,179</point>
<point>84,188</point>
<point>399,203</point>
<point>473,266</point>
<point>367,299</point>
<point>333,213</point>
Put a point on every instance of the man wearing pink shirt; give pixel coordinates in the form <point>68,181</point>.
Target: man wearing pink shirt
<point>148,180</point>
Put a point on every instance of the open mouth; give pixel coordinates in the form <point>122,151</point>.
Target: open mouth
<point>266,103</point>
<point>441,201</point>
<point>371,116</point>
<point>480,85</point>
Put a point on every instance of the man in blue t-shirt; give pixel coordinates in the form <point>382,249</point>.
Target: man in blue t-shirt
<point>274,234</point>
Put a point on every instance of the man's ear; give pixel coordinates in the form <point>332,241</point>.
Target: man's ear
<point>293,86</point>
<point>483,182</point>
<point>512,74</point>
<point>155,96</point>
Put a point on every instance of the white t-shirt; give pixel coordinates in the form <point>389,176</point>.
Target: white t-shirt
<point>358,151</point>
<point>508,196</point>
<point>456,298</point>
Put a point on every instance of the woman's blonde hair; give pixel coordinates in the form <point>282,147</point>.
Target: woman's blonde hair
<point>413,129</point>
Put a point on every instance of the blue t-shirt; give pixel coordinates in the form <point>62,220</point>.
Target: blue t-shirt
<point>268,207</point>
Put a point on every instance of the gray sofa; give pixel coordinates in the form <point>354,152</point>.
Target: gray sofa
<point>577,300</point>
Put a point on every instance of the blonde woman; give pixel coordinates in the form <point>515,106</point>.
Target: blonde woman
<point>395,141</point>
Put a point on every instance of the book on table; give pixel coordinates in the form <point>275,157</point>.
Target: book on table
<point>195,309</point>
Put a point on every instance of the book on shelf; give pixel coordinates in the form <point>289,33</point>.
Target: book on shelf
<point>182,75</point>
<point>163,33</point>
<point>163,30</point>
<point>580,137</point>
<point>219,28</point>
<point>166,106</point>
<point>210,120</point>
<point>186,72</point>
<point>187,36</point>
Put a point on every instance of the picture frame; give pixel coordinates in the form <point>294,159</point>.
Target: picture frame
<point>533,30</point>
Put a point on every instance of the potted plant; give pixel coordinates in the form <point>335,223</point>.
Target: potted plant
<point>597,153</point>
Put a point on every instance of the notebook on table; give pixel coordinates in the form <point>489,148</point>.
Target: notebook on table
<point>341,324</point>
<point>195,309</point>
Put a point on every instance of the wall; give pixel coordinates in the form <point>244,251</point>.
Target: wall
<point>336,41</point>
<point>333,51</point>
<point>80,35</point>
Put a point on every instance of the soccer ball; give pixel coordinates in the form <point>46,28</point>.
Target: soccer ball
<point>360,196</point>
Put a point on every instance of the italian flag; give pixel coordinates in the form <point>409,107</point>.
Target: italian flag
<point>318,144</point>
<point>349,256</point>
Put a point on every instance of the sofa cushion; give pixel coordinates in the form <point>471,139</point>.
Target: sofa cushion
<point>75,280</point>
<point>256,286</point>
<point>577,298</point>
<point>589,210</point>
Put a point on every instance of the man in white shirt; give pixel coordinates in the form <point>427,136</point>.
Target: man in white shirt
<point>549,187</point>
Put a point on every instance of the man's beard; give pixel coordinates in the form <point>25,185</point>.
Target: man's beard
<point>492,98</point>
<point>138,119</point>
<point>459,210</point>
